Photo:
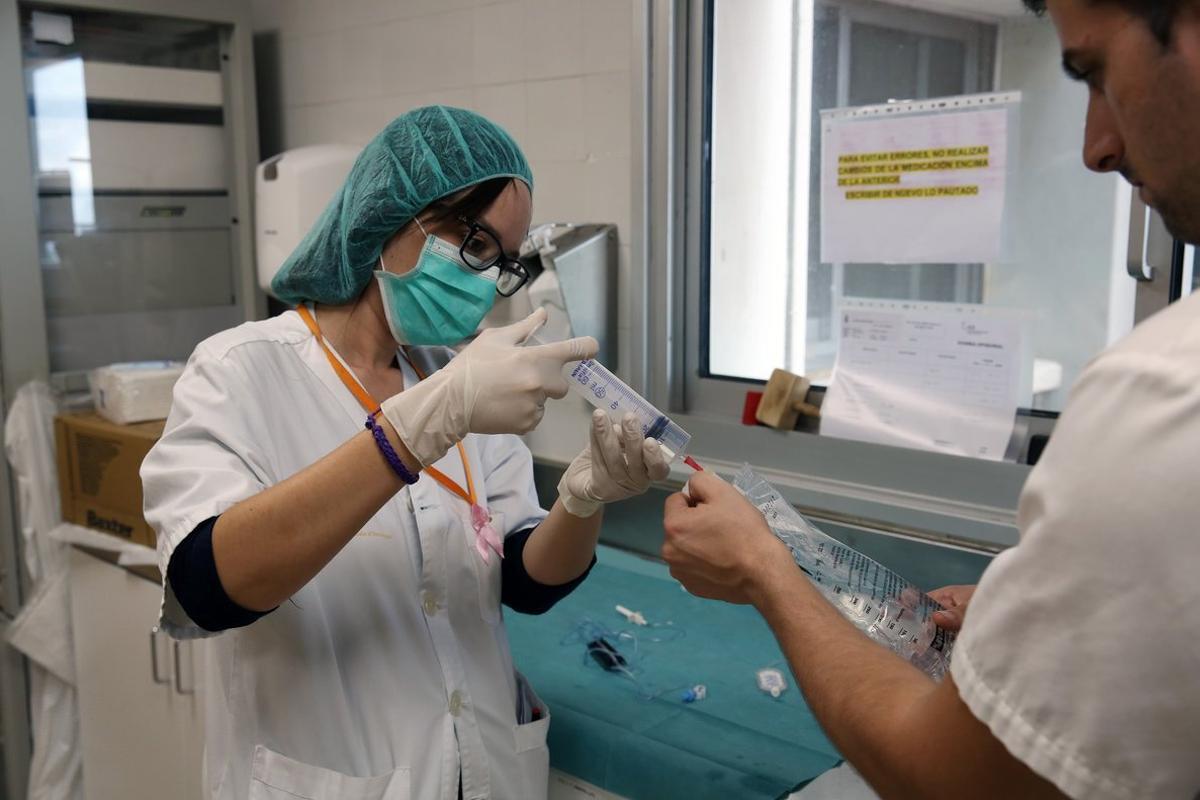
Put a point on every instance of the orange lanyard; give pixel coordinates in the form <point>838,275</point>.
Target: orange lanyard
<point>367,402</point>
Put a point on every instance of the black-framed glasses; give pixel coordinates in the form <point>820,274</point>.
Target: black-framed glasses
<point>481,251</point>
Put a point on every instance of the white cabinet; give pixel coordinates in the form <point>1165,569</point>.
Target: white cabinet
<point>140,709</point>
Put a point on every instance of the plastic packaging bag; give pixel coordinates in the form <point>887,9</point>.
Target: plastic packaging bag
<point>42,629</point>
<point>879,602</point>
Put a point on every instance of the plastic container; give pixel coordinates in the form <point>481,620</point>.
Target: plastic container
<point>135,391</point>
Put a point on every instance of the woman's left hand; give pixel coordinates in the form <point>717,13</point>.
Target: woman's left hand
<point>617,464</point>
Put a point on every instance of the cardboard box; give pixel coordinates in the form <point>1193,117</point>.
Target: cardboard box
<point>98,464</point>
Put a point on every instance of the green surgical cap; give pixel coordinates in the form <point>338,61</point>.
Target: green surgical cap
<point>419,157</point>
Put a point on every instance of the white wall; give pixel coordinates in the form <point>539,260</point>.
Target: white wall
<point>557,74</point>
<point>1065,230</point>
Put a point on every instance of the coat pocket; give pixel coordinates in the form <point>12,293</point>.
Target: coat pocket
<point>529,741</point>
<point>277,777</point>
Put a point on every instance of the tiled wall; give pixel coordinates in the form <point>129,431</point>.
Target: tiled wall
<point>558,74</point>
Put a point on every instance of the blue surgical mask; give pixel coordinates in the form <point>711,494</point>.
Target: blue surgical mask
<point>440,301</point>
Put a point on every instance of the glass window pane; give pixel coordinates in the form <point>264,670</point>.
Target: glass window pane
<point>947,67</point>
<point>750,190</point>
<point>771,301</point>
<point>883,64</point>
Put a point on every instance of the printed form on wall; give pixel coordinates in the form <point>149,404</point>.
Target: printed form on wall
<point>928,376</point>
<point>917,182</point>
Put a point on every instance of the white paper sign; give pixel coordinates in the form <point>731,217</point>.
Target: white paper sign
<point>905,189</point>
<point>926,376</point>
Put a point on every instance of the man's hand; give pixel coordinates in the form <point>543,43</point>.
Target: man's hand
<point>954,600</point>
<point>718,545</point>
<point>883,714</point>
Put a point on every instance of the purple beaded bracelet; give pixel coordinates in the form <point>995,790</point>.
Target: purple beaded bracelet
<point>389,452</point>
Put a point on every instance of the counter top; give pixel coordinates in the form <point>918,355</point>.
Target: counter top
<point>738,742</point>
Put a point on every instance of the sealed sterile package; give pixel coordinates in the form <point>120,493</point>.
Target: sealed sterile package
<point>134,391</point>
<point>879,602</point>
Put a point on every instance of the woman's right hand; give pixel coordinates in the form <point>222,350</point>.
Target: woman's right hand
<point>954,600</point>
<point>506,383</point>
<point>495,385</point>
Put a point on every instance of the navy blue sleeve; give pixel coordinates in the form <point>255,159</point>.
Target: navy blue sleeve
<point>522,593</point>
<point>193,576</point>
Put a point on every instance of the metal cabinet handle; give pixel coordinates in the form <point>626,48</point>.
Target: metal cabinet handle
<point>179,671</point>
<point>154,660</point>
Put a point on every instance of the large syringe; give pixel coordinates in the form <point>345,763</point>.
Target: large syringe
<point>599,386</point>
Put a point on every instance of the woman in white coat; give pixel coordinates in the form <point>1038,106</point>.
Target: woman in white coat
<point>349,504</point>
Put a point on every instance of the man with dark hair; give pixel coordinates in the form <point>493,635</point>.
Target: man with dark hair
<point>1075,673</point>
<point>1158,15</point>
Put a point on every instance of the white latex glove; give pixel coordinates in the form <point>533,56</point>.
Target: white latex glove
<point>617,464</point>
<point>495,385</point>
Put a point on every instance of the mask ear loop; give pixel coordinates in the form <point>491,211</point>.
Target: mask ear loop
<point>424,233</point>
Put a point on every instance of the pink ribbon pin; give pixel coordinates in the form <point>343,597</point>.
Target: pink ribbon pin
<point>485,535</point>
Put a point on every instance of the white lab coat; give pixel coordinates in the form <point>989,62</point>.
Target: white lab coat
<point>390,671</point>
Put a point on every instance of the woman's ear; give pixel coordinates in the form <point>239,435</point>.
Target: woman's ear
<point>401,251</point>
